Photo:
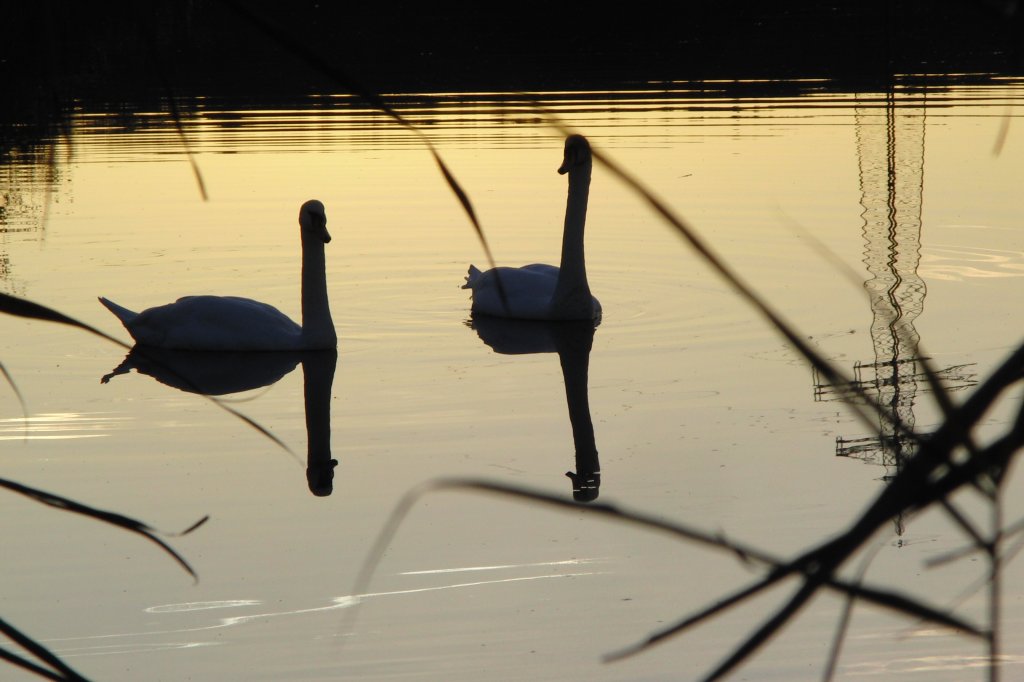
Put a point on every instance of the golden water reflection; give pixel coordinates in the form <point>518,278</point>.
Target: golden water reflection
<point>59,426</point>
<point>701,412</point>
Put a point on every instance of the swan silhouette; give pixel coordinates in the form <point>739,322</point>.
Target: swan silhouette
<point>215,373</point>
<point>242,324</point>
<point>546,292</point>
<point>572,340</point>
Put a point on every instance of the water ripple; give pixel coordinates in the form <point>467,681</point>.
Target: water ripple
<point>957,263</point>
<point>336,603</point>
<point>59,426</point>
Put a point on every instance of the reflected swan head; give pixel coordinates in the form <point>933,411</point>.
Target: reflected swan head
<point>320,477</point>
<point>586,485</point>
<point>576,155</point>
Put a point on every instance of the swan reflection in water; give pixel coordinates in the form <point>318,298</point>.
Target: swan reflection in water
<point>572,340</point>
<point>217,373</point>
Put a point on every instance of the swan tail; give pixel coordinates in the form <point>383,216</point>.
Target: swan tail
<point>472,277</point>
<point>120,312</point>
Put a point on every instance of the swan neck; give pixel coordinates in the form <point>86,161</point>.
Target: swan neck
<point>317,325</point>
<point>572,269</point>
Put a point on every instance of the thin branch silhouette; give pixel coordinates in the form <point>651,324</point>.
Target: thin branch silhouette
<point>58,669</point>
<point>112,518</point>
<point>172,104</point>
<point>345,81</point>
<point>20,307</point>
<point>778,569</point>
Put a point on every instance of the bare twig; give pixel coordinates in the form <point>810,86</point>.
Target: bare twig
<point>114,519</point>
<point>21,307</point>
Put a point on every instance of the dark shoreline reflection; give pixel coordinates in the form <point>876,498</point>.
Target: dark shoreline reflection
<point>572,341</point>
<point>222,373</point>
<point>70,50</point>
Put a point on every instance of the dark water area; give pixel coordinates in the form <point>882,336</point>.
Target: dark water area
<point>122,51</point>
<point>123,57</point>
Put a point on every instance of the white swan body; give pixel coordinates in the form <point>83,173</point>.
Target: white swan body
<point>547,292</point>
<point>242,324</point>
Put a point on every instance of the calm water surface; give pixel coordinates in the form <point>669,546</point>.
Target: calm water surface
<point>700,412</point>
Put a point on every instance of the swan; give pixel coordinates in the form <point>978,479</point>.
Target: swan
<point>547,292</point>
<point>242,324</point>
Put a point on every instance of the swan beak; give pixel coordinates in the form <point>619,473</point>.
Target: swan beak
<point>324,234</point>
<point>566,164</point>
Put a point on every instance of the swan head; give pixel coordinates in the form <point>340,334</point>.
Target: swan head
<point>577,154</point>
<point>313,220</point>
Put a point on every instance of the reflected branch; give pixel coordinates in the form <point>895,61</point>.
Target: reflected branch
<point>172,104</point>
<point>14,387</point>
